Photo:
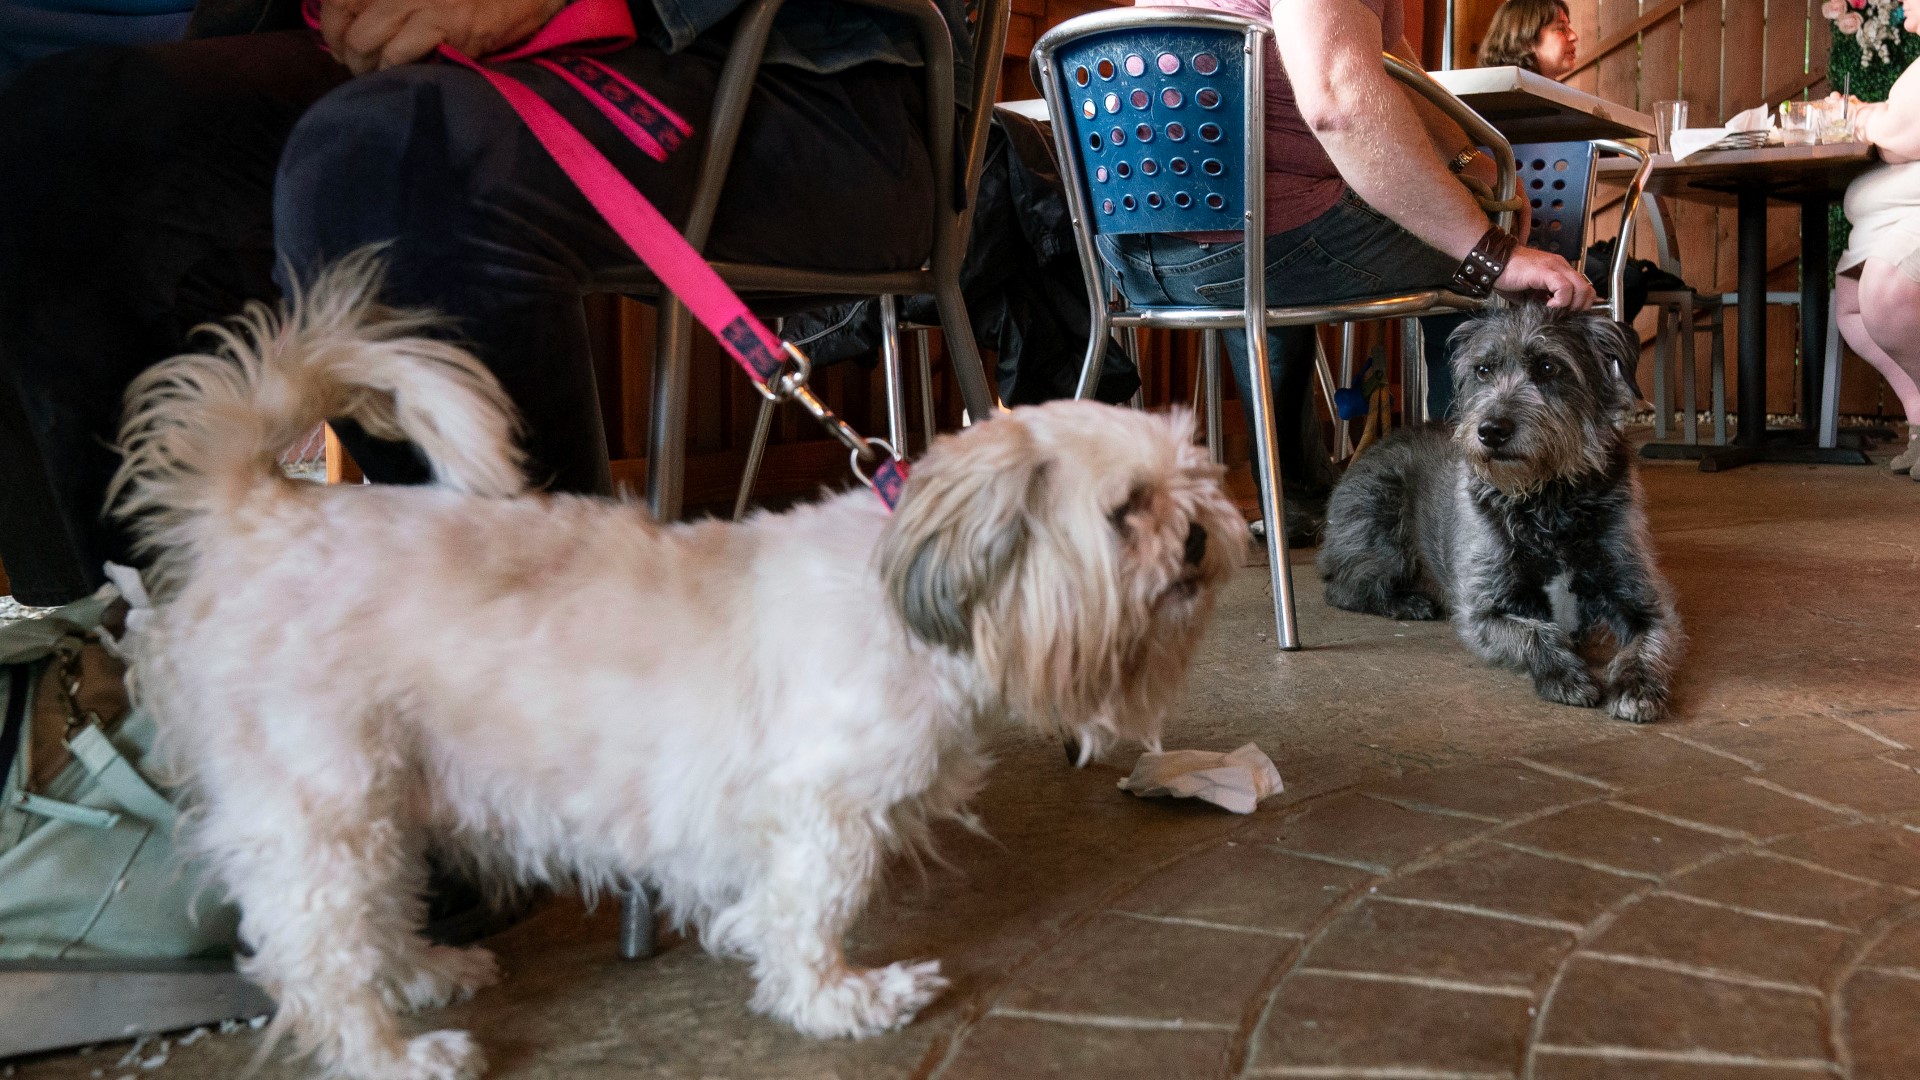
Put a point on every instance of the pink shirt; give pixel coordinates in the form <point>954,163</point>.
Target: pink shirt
<point>1302,183</point>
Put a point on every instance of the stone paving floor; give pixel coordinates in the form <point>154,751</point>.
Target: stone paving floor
<point>1460,883</point>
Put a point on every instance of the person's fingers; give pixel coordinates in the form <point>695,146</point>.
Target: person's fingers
<point>419,35</point>
<point>1562,286</point>
<point>335,15</point>
<point>370,31</point>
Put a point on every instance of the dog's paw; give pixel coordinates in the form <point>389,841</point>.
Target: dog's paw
<point>1571,687</point>
<point>443,1055</point>
<point>1638,708</point>
<point>1414,607</point>
<point>445,975</point>
<point>863,1003</point>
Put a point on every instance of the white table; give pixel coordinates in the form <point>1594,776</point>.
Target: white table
<point>1528,107</point>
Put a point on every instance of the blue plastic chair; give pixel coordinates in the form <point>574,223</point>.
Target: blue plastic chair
<point>1158,122</point>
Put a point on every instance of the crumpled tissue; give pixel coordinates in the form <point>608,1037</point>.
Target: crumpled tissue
<point>1690,141</point>
<point>1236,781</point>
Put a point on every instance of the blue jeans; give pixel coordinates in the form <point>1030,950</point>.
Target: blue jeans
<point>1349,252</point>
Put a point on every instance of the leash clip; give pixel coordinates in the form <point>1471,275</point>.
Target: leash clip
<point>792,377</point>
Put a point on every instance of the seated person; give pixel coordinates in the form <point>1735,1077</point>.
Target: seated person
<point>145,190</point>
<point>1533,34</point>
<point>1360,201</point>
<point>1878,277</point>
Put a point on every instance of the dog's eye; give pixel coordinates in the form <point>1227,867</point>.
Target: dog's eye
<point>1545,369</point>
<point>1483,372</point>
<point>1119,516</point>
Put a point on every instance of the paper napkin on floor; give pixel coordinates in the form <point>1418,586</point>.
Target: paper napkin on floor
<point>1236,781</point>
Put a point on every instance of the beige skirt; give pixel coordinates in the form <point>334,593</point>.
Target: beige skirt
<point>1884,206</point>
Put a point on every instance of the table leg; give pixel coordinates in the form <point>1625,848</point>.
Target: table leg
<point>1753,443</point>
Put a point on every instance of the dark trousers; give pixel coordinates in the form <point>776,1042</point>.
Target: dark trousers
<point>144,191</point>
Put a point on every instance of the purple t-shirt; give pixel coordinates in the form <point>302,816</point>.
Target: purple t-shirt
<point>1302,183</point>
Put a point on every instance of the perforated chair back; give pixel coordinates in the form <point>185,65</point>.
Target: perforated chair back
<point>1159,124</point>
<point>1557,179</point>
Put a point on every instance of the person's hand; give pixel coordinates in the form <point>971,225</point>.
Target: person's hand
<point>1864,117</point>
<point>372,35</point>
<point>1529,270</point>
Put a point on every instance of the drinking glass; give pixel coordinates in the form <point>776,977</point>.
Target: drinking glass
<point>1834,115</point>
<point>1668,117</point>
<point>1798,123</point>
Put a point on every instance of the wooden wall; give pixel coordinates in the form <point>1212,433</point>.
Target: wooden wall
<point>1721,57</point>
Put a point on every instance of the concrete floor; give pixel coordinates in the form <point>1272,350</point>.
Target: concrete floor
<point>1460,881</point>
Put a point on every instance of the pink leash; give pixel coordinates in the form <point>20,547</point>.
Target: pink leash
<point>778,369</point>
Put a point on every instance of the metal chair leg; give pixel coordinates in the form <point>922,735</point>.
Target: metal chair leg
<point>1830,385</point>
<point>1324,370</point>
<point>1689,401</point>
<point>1347,360</point>
<point>962,349</point>
<point>926,385</point>
<point>1210,371</point>
<point>1096,355</point>
<point>762,429</point>
<point>667,434</point>
<point>1413,373</point>
<point>636,924</point>
<point>1662,356</point>
<point>892,375</point>
<point>1139,398</point>
<point>1717,374</point>
<point>1273,498</point>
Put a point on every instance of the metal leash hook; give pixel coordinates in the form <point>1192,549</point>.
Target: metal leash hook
<point>889,477</point>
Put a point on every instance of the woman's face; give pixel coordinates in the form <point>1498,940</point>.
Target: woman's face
<point>1555,50</point>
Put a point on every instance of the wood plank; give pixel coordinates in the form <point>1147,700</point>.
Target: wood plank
<point>1659,64</point>
<point>1743,39</point>
<point>1623,29</point>
<point>1784,59</point>
<point>1700,61</point>
<point>1619,67</point>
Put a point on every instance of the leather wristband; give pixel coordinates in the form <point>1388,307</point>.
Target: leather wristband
<point>1484,264</point>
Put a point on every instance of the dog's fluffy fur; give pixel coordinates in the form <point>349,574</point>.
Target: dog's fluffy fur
<point>750,718</point>
<point>1532,494</point>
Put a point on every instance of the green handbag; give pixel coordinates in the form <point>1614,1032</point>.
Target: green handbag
<point>87,862</point>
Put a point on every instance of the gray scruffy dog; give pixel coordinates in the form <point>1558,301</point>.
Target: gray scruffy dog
<point>1531,498</point>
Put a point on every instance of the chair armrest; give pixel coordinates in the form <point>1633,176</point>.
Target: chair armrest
<point>1476,127</point>
<point>1629,213</point>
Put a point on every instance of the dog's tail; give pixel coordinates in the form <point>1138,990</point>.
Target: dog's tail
<point>204,431</point>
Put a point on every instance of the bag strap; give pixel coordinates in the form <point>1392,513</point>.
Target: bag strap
<point>778,370</point>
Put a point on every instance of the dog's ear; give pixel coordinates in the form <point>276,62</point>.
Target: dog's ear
<point>964,521</point>
<point>1617,346</point>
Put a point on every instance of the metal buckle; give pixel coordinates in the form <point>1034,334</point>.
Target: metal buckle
<point>791,379</point>
<point>856,455</point>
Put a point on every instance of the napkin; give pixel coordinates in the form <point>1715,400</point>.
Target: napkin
<point>1690,141</point>
<point>1236,781</point>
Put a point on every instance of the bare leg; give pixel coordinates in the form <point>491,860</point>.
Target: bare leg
<point>1883,285</point>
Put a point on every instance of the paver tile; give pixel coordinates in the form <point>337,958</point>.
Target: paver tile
<point>1880,1026</point>
<point>1367,832</point>
<point>1403,939</point>
<point>1869,785</point>
<point>1785,740</point>
<point>1116,966</point>
<point>1618,838</point>
<point>1733,804</point>
<point>1495,789</point>
<point>1785,888</point>
<point>1558,1067</point>
<point>1901,945</point>
<point>1244,884</point>
<point>1328,1021</point>
<point>1502,879</point>
<point>1673,929</point>
<point>1902,726</point>
<point>1642,759</point>
<point>1884,853</point>
<point>1599,1003</point>
<point>1005,1046</point>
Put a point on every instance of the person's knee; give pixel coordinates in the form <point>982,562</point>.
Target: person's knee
<point>1889,304</point>
<point>381,158</point>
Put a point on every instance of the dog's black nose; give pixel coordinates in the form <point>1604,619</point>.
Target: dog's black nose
<point>1196,543</point>
<point>1495,433</point>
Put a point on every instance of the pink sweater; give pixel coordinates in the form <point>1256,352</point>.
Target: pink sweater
<point>1302,183</point>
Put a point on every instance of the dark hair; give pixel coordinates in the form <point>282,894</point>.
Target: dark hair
<point>1515,31</point>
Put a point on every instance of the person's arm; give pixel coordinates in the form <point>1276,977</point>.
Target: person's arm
<point>1894,125</point>
<point>1331,49</point>
<point>371,35</point>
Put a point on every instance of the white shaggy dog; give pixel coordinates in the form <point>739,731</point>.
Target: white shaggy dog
<point>557,689</point>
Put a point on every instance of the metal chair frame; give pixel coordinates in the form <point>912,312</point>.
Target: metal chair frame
<point>956,170</point>
<point>1254,317</point>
